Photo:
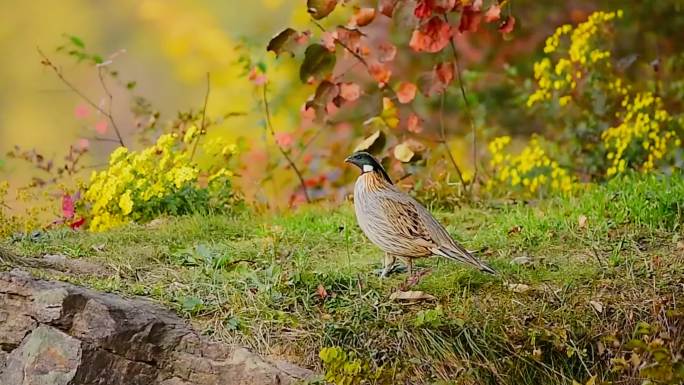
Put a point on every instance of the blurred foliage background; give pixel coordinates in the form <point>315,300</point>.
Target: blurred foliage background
<point>167,47</point>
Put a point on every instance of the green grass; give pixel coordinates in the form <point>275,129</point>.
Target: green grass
<point>596,295</point>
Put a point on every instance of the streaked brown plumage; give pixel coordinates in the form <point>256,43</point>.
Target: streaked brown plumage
<point>397,223</point>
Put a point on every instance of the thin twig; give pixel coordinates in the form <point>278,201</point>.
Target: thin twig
<point>442,134</point>
<point>267,112</point>
<point>204,114</point>
<point>309,142</point>
<point>46,61</point>
<point>338,41</point>
<point>99,139</point>
<point>109,105</point>
<point>469,114</point>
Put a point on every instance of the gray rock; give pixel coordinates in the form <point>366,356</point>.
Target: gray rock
<point>60,334</point>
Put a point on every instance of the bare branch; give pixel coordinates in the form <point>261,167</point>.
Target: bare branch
<point>443,140</point>
<point>46,61</point>
<point>109,106</point>
<point>267,112</point>
<point>204,114</point>
<point>469,114</point>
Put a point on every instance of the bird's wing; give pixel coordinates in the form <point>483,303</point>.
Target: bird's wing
<point>403,221</point>
<point>413,221</point>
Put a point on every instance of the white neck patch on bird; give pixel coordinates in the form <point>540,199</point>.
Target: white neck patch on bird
<point>367,168</point>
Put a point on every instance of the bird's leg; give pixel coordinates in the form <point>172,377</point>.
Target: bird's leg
<point>409,266</point>
<point>388,264</point>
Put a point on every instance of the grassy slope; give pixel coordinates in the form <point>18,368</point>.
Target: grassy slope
<point>254,280</point>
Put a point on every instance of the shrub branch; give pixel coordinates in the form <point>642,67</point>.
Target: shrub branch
<point>47,62</point>
<point>269,124</point>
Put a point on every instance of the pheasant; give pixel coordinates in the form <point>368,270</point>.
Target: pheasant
<point>399,225</point>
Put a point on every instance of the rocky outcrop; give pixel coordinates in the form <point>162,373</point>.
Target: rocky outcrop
<point>54,333</point>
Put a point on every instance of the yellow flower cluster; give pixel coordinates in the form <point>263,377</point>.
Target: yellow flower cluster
<point>581,57</point>
<point>642,136</point>
<point>530,170</point>
<point>138,180</point>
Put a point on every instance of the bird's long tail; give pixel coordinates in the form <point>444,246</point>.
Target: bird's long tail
<point>458,254</point>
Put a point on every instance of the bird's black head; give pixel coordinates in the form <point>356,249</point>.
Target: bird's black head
<point>367,163</point>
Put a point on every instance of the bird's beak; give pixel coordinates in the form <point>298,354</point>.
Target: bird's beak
<point>348,159</point>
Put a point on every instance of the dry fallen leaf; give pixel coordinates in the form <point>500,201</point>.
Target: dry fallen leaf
<point>411,296</point>
<point>321,291</point>
<point>582,221</point>
<point>522,260</point>
<point>514,230</point>
<point>517,287</point>
<point>598,306</point>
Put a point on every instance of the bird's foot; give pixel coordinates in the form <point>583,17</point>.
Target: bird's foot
<point>396,268</point>
<point>414,279</point>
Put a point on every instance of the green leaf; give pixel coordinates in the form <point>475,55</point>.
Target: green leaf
<point>191,304</point>
<point>75,40</point>
<point>283,42</point>
<point>320,8</point>
<point>318,62</point>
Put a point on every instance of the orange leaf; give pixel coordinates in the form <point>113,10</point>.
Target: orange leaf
<point>284,139</point>
<point>414,124</point>
<point>431,36</point>
<point>387,7</point>
<point>363,16</point>
<point>380,73</point>
<point>493,13</point>
<point>406,92</point>
<point>350,91</point>
<point>445,73</point>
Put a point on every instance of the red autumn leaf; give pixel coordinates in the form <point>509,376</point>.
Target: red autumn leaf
<point>83,144</point>
<point>321,291</point>
<point>101,127</point>
<point>443,6</point>
<point>67,206</point>
<point>431,36</point>
<point>350,91</point>
<point>81,111</point>
<point>406,92</point>
<point>493,13</point>
<point>414,124</point>
<point>387,51</point>
<point>387,7</point>
<point>445,73</point>
<point>423,9</point>
<point>380,73</point>
<point>363,16</point>
<point>471,17</point>
<point>507,25</point>
<point>284,139</point>
<point>77,223</point>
